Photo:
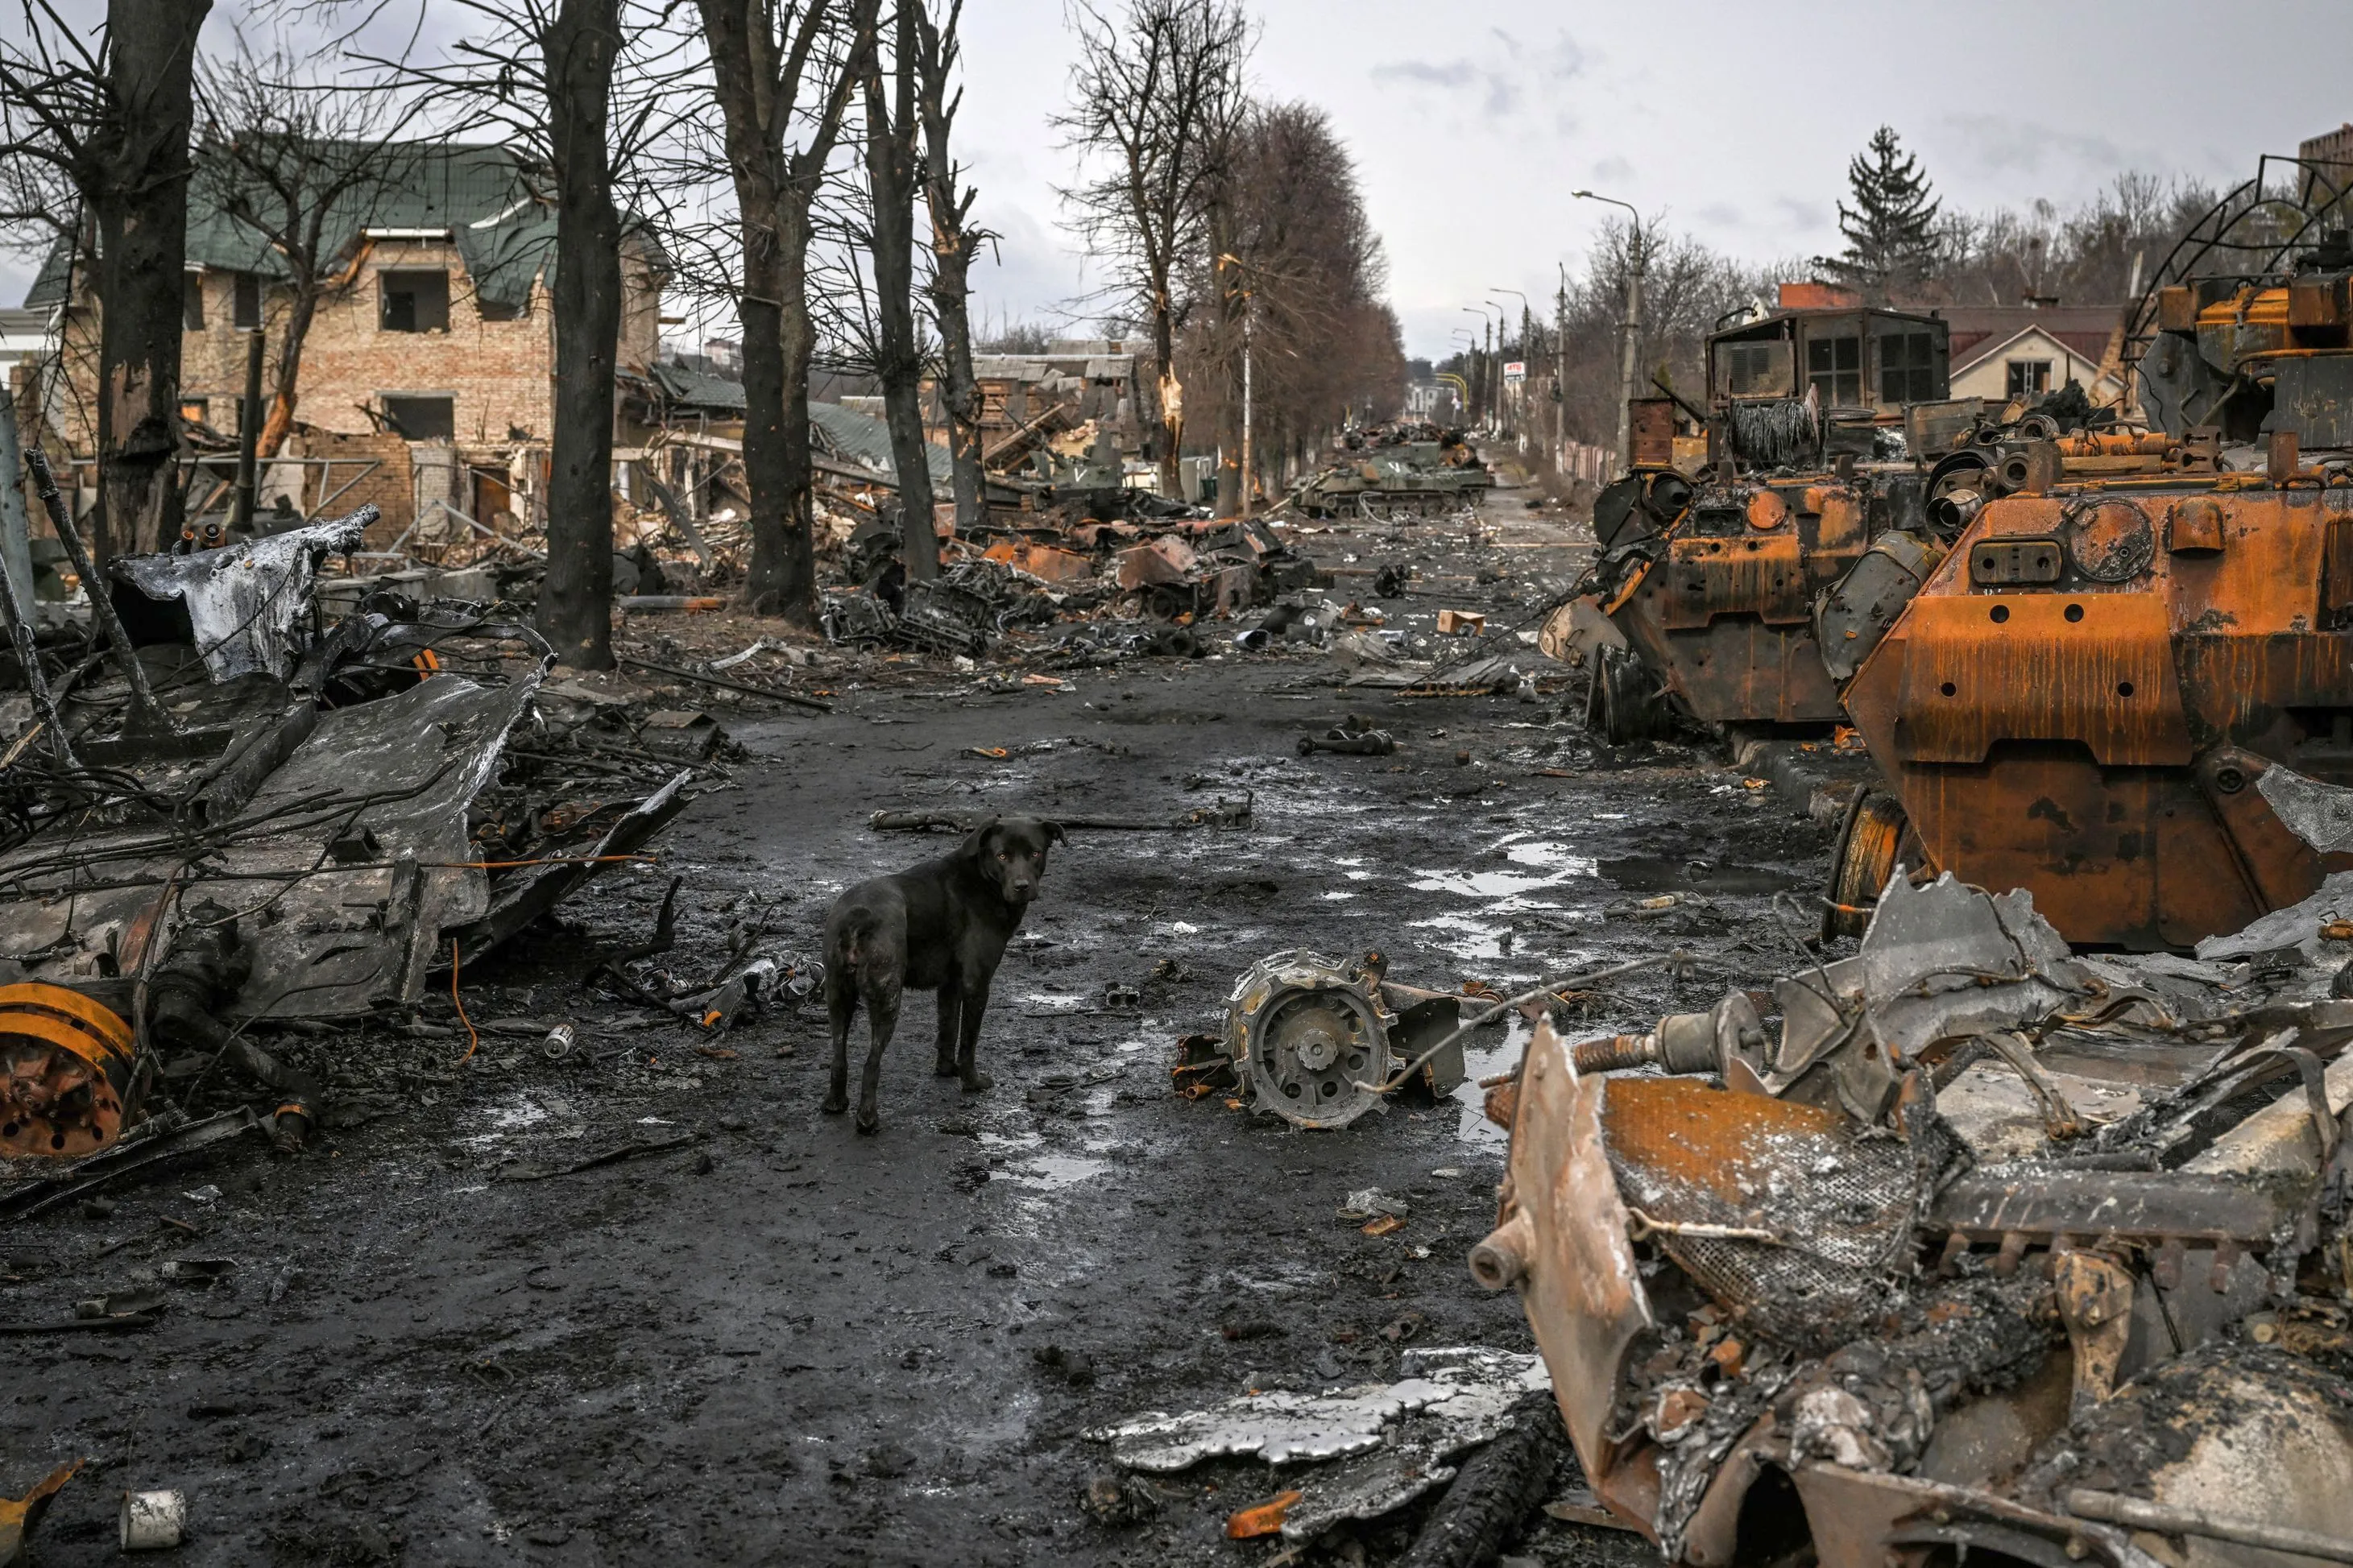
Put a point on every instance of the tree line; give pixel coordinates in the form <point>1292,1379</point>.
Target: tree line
<point>1903,247</point>
<point>795,160</point>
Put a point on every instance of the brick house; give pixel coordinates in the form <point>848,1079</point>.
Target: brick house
<point>427,371</point>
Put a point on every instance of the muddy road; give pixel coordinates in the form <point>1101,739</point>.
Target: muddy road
<point>782,1342</point>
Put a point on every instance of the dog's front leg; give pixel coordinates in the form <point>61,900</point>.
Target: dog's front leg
<point>881,1020</point>
<point>951,997</point>
<point>976,1003</point>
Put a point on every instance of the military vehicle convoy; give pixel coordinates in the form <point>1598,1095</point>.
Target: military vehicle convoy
<point>2128,688</point>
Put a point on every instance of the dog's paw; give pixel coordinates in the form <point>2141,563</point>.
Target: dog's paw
<point>944,1068</point>
<point>977,1082</point>
<point>835,1104</point>
<point>869,1122</point>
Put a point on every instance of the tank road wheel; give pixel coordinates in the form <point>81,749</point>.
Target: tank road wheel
<point>1875,837</point>
<point>1623,702</point>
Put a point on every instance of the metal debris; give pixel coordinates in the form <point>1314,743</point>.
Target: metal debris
<point>1375,1447</point>
<point>1947,1322</point>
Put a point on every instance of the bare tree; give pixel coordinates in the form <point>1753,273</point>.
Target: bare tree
<point>956,243</point>
<point>305,166</point>
<point>892,128</point>
<point>783,73</point>
<point>574,85</point>
<point>1155,96</point>
<point>1298,274</point>
<point>117,122</point>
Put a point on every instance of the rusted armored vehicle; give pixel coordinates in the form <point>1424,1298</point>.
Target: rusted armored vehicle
<point>1712,580</point>
<point>2115,689</point>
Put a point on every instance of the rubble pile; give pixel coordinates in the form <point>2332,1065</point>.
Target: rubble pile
<point>234,834</point>
<point>1997,1246</point>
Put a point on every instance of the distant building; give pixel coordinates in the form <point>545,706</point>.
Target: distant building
<point>427,372</point>
<point>2005,352</point>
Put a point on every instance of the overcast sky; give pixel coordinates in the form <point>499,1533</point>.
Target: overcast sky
<point>1472,122</point>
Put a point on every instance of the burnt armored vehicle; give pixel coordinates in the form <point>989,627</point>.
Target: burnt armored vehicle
<point>1712,580</point>
<point>2128,690</point>
<point>1394,479</point>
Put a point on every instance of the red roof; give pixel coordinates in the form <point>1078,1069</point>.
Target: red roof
<point>1977,330</point>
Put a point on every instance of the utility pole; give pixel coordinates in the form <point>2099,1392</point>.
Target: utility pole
<point>1250,310</point>
<point>1635,261</point>
<point>248,433</point>
<point>1560,371</point>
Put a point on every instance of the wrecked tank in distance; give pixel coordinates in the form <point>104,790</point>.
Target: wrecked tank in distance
<point>1712,580</point>
<point>2092,696</point>
<point>1398,473</point>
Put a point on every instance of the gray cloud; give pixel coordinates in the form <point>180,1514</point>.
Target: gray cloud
<point>1513,74</point>
<point>2004,144</point>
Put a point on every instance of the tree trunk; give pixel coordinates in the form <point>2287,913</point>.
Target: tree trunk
<point>576,599</point>
<point>785,584</point>
<point>953,245</point>
<point>898,362</point>
<point>141,201</point>
<point>291,335</point>
<point>960,389</point>
<point>1169,408</point>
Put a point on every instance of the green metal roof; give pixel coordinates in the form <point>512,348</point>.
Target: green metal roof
<point>504,231</point>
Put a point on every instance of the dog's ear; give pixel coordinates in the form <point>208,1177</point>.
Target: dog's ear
<point>977,842</point>
<point>1054,834</point>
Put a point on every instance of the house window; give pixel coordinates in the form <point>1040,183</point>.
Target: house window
<point>2028,377</point>
<point>414,302</point>
<point>247,316</point>
<point>1907,368</point>
<point>421,418</point>
<point>1834,367</point>
<point>192,301</point>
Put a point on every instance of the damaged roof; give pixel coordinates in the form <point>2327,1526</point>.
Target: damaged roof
<point>499,217</point>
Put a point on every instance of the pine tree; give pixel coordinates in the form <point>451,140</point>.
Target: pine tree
<point>1891,230</point>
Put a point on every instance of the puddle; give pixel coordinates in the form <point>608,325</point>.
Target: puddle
<point>505,1119</point>
<point>1050,1171</point>
<point>1056,999</point>
<point>1472,1126</point>
<point>1548,864</point>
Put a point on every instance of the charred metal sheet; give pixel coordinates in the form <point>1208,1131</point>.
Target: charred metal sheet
<point>523,898</point>
<point>2319,814</point>
<point>1359,1453</point>
<point>1565,1238</point>
<point>245,600</point>
<point>399,772</point>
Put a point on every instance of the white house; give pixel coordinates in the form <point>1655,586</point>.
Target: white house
<point>2009,352</point>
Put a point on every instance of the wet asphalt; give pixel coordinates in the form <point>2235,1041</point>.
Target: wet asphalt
<point>782,1342</point>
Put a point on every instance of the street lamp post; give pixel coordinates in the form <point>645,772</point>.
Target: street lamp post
<point>1482,390</point>
<point>1522,401</point>
<point>1249,313</point>
<point>1635,263</point>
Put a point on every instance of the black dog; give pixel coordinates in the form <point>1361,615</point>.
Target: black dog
<point>942,927</point>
